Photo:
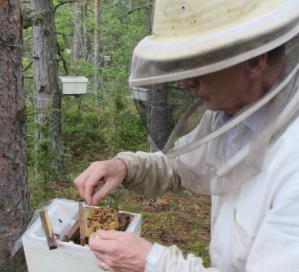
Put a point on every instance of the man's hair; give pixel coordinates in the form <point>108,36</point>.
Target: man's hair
<point>276,54</point>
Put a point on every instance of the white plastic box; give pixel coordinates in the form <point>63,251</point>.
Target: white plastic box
<point>74,85</point>
<point>141,94</point>
<point>68,257</point>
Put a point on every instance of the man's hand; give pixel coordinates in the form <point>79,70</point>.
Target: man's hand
<point>119,251</point>
<point>111,172</point>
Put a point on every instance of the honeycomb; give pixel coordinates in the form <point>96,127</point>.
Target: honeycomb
<point>100,218</point>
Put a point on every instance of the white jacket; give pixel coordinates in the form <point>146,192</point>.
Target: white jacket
<point>253,229</point>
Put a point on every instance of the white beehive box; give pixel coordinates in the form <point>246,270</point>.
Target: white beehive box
<point>141,94</point>
<point>68,257</point>
<point>74,85</point>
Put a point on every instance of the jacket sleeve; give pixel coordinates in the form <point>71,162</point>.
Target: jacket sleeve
<point>173,260</point>
<point>151,174</point>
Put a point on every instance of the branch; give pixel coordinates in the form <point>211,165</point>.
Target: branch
<point>8,44</point>
<point>135,9</point>
<point>27,19</point>
<point>64,3</point>
<point>27,67</point>
<point>26,12</point>
<point>62,59</point>
<point>138,8</point>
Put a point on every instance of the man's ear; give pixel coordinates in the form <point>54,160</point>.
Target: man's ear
<point>256,66</point>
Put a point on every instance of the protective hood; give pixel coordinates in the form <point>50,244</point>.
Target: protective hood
<point>214,150</point>
<point>197,37</point>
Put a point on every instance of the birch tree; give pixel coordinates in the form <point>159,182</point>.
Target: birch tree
<point>96,45</point>
<point>79,38</point>
<point>48,139</point>
<point>14,197</point>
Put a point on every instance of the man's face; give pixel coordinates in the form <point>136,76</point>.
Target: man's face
<point>228,90</point>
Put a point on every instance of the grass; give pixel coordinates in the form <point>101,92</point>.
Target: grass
<point>181,219</point>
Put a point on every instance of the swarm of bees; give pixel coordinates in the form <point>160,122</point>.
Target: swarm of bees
<point>103,218</point>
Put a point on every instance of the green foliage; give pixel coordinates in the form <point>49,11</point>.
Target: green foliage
<point>97,126</point>
<point>83,67</point>
<point>94,131</point>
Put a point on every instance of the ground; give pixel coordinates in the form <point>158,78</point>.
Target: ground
<point>183,220</point>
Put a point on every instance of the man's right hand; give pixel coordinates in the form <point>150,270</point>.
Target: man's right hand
<point>110,172</point>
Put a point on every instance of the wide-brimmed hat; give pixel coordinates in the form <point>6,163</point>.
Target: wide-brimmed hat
<point>213,34</point>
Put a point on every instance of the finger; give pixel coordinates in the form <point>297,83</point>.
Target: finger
<point>108,186</point>
<point>79,184</point>
<point>107,247</point>
<point>90,185</point>
<point>113,262</point>
<point>111,234</point>
<point>103,265</point>
<point>80,180</point>
<point>101,256</point>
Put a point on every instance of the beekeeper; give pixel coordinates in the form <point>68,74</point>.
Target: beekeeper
<point>223,78</point>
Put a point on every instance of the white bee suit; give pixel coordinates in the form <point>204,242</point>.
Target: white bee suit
<point>248,162</point>
<point>255,200</point>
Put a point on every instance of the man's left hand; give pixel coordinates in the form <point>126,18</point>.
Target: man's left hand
<point>118,251</point>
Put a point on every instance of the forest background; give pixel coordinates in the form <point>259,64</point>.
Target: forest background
<point>95,39</point>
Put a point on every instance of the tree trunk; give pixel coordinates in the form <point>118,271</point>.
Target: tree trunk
<point>14,194</point>
<point>48,142</point>
<point>79,39</point>
<point>96,46</point>
<point>84,27</point>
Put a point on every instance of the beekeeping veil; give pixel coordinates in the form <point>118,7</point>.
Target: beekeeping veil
<point>192,38</point>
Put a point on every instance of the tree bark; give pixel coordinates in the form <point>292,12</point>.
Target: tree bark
<point>96,46</point>
<point>48,141</point>
<point>84,33</point>
<point>79,39</point>
<point>14,194</point>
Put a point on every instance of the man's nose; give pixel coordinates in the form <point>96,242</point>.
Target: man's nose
<point>190,83</point>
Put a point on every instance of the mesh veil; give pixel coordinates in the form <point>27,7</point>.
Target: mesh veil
<point>191,40</point>
<point>203,165</point>
<point>198,150</point>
